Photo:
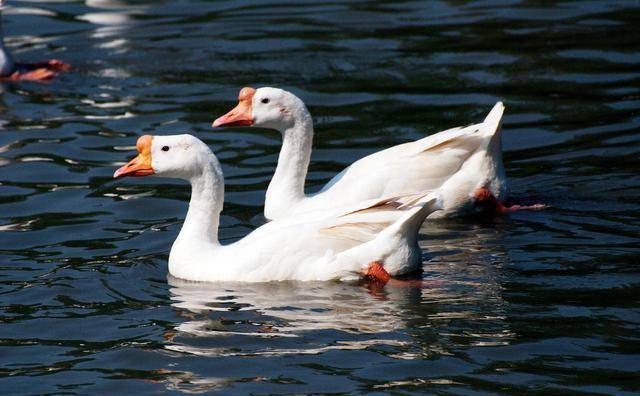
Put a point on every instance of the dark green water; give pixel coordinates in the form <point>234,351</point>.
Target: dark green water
<point>536,303</point>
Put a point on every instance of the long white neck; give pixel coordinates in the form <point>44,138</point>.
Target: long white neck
<point>203,217</point>
<point>287,185</point>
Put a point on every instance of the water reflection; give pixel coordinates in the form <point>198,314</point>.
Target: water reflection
<point>119,13</point>
<point>353,316</point>
<point>113,19</point>
<point>284,310</point>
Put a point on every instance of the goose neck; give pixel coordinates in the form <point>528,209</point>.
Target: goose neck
<point>203,217</point>
<point>287,184</point>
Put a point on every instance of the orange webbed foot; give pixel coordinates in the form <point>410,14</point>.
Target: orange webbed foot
<point>377,273</point>
<point>41,74</point>
<point>57,65</point>
<point>485,199</point>
<point>378,278</point>
<point>38,71</point>
<point>515,208</point>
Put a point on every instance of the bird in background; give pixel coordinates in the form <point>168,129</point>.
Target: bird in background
<point>10,70</point>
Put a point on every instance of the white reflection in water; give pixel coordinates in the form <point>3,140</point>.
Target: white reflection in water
<point>13,10</point>
<point>112,23</point>
<point>124,102</point>
<point>109,4</point>
<point>298,306</point>
<point>127,114</point>
<point>107,18</point>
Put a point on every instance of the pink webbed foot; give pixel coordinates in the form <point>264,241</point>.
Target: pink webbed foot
<point>486,200</point>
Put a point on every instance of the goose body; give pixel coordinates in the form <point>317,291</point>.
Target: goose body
<point>461,161</point>
<point>333,244</point>
<point>7,65</point>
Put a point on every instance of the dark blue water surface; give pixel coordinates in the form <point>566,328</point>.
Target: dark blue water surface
<point>537,303</point>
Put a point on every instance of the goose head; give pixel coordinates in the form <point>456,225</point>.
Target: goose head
<point>176,156</point>
<point>266,107</point>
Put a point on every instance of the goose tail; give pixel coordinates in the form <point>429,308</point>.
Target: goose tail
<point>492,128</point>
<point>394,247</point>
<point>409,223</point>
<point>494,118</point>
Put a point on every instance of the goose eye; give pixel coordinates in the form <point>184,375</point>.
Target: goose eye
<point>265,100</point>
<point>165,148</point>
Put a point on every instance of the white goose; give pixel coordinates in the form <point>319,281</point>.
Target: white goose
<point>323,246</point>
<point>465,163</point>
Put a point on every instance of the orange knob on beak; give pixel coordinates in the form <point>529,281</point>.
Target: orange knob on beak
<point>241,115</point>
<point>141,164</point>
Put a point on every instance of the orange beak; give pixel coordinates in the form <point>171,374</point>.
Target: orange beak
<point>140,165</point>
<point>241,115</point>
